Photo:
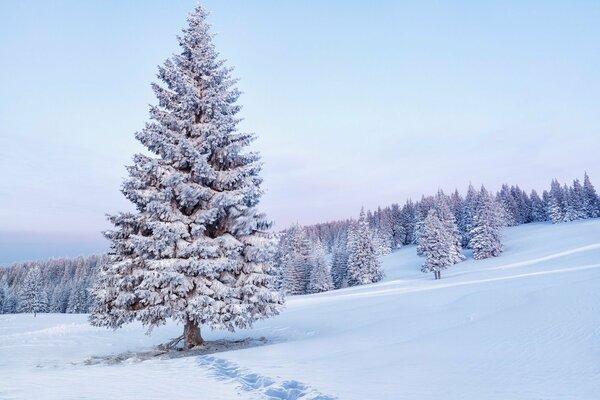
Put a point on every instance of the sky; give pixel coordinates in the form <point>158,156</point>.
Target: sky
<point>354,103</point>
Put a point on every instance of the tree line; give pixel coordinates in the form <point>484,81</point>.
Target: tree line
<point>440,225</point>
<point>56,286</point>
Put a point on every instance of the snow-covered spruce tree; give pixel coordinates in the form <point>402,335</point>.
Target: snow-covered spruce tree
<point>590,198</point>
<point>556,203</point>
<point>196,251</point>
<point>421,210</point>
<point>486,240</point>
<point>436,244</point>
<point>408,219</point>
<point>383,242</point>
<point>465,223</point>
<point>32,296</point>
<point>339,265</point>
<point>3,291</point>
<point>577,200</point>
<point>320,276</point>
<point>78,300</point>
<point>570,203</point>
<point>538,208</point>
<point>363,265</point>
<point>297,266</point>
<point>282,255</point>
<point>447,218</point>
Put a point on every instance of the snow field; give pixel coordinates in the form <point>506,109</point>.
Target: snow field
<point>521,326</point>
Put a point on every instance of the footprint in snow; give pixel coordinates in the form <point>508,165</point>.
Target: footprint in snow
<point>269,388</point>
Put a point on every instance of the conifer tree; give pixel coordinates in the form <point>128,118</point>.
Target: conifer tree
<point>196,250</point>
<point>466,216</point>
<point>33,297</point>
<point>3,291</point>
<point>436,244</point>
<point>421,211</point>
<point>486,239</point>
<point>577,199</point>
<point>556,203</point>
<point>591,202</point>
<point>297,267</point>
<point>363,265</point>
<point>339,266</point>
<point>447,218</point>
<point>320,276</point>
<point>408,220</point>
<point>538,208</point>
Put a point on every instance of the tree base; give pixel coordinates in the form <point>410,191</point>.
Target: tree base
<point>191,335</point>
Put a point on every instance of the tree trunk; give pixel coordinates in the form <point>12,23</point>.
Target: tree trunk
<point>191,335</point>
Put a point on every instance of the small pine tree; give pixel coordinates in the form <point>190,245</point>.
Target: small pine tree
<point>591,202</point>
<point>449,222</point>
<point>33,297</point>
<point>363,265</point>
<point>320,276</point>
<point>437,245</point>
<point>78,300</point>
<point>486,240</point>
<point>556,203</point>
<point>421,210</point>
<point>3,292</point>
<point>297,266</point>
<point>538,208</point>
<point>465,223</point>
<point>339,266</point>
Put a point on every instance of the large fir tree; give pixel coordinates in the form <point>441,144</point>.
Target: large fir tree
<point>196,250</point>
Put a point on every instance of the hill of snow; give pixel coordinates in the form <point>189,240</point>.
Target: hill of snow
<point>525,325</point>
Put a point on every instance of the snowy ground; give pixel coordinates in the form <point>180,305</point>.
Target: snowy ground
<point>522,326</point>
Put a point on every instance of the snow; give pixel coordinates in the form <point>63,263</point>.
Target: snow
<point>524,325</point>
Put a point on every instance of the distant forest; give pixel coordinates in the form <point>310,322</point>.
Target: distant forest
<point>62,285</point>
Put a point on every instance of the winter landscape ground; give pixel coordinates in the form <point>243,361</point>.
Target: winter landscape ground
<point>525,325</point>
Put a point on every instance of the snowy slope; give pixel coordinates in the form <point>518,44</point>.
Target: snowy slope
<point>525,325</point>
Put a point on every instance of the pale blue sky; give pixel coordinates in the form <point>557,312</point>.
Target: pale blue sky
<point>355,103</point>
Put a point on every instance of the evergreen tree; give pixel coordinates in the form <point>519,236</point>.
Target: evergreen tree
<point>408,220</point>
<point>538,208</point>
<point>33,297</point>
<point>437,245</point>
<point>398,231</point>
<point>486,239</point>
<point>465,222</point>
<point>577,199</point>
<point>591,202</point>
<point>363,265</point>
<point>421,210</point>
<point>382,242</point>
<point>447,218</point>
<point>339,266</point>
<point>3,292</point>
<point>570,204</point>
<point>78,300</point>
<point>283,255</point>
<point>297,267</point>
<point>196,251</point>
<point>320,276</point>
<point>556,203</point>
